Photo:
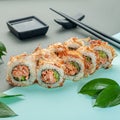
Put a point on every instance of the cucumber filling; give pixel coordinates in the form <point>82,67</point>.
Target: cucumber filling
<point>88,59</point>
<point>102,54</point>
<point>89,65</point>
<point>50,76</point>
<point>103,57</point>
<point>21,73</point>
<point>23,78</point>
<point>72,68</point>
<point>56,75</point>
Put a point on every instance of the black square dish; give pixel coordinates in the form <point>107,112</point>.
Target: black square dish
<point>27,27</point>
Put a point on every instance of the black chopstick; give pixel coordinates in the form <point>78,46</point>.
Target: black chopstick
<point>96,33</point>
<point>105,35</point>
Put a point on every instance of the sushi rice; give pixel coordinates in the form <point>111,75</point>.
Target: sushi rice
<point>17,63</point>
<point>71,60</point>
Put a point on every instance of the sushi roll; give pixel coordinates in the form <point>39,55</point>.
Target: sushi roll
<point>49,67</point>
<point>21,70</point>
<point>50,74</point>
<point>90,59</point>
<point>48,55</point>
<point>44,54</point>
<point>86,41</point>
<point>37,53</point>
<point>73,43</point>
<point>58,49</point>
<point>74,65</point>
<point>104,52</point>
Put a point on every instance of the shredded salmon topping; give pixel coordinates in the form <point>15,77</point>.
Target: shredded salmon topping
<point>47,76</point>
<point>21,71</point>
<point>70,69</point>
<point>73,43</point>
<point>97,42</point>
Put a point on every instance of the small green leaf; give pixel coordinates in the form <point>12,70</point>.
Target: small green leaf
<point>1,53</point>
<point>5,111</point>
<point>110,96</point>
<point>94,87</point>
<point>2,47</point>
<point>2,95</point>
<point>2,50</point>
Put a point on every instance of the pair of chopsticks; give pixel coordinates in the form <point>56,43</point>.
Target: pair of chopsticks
<point>91,30</point>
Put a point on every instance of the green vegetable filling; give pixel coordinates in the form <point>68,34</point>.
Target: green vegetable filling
<point>24,73</point>
<point>45,75</point>
<point>102,54</point>
<point>75,64</point>
<point>23,78</point>
<point>56,75</point>
<point>88,59</point>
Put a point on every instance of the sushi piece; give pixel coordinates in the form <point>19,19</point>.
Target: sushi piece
<point>21,70</point>
<point>58,49</point>
<point>86,41</point>
<point>37,53</point>
<point>48,55</point>
<point>74,66</point>
<point>72,60</point>
<point>44,54</point>
<point>50,74</point>
<point>104,52</point>
<point>73,43</point>
<point>90,59</point>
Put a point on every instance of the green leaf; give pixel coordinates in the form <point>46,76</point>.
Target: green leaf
<point>2,50</point>
<point>2,95</point>
<point>94,87</point>
<point>5,111</point>
<point>110,96</point>
<point>1,53</point>
<point>2,47</point>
